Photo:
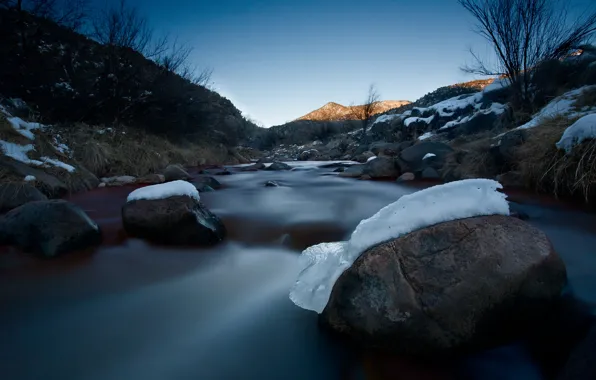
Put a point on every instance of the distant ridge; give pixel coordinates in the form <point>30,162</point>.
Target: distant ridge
<point>334,111</point>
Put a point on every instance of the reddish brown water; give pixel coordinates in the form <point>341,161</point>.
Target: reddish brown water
<point>129,310</point>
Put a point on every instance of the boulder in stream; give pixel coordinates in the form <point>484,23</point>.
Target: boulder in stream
<point>175,173</point>
<point>461,284</point>
<point>278,166</point>
<point>171,214</point>
<point>49,228</point>
<point>13,195</point>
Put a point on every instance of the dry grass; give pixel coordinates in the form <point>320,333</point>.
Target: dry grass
<point>549,170</point>
<point>471,157</point>
<point>587,98</point>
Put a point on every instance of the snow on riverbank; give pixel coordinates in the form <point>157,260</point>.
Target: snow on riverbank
<point>583,129</point>
<point>323,263</point>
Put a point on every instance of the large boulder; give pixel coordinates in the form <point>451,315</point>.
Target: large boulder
<point>253,168</point>
<point>278,166</point>
<point>151,179</point>
<point>175,173</point>
<point>363,157</point>
<point>413,157</point>
<point>308,155</point>
<point>47,183</point>
<point>385,149</point>
<point>176,220</point>
<point>207,181</point>
<point>13,195</point>
<point>462,284</point>
<point>381,167</point>
<point>49,228</point>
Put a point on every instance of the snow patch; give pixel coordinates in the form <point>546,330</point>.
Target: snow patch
<point>429,155</point>
<point>19,152</point>
<point>411,120</point>
<point>59,164</point>
<point>583,129</point>
<point>385,118</point>
<point>322,264</point>
<point>23,127</point>
<point>497,84</point>
<point>165,190</point>
<point>371,158</point>
<point>30,178</point>
<point>425,136</point>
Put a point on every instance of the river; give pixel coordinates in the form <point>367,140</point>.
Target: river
<point>130,310</point>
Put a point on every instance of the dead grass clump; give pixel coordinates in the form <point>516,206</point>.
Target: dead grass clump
<point>472,159</point>
<point>549,170</point>
<point>587,98</point>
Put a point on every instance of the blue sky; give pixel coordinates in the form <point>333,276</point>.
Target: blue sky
<point>279,59</point>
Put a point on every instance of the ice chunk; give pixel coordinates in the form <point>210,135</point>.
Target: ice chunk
<point>429,155</point>
<point>583,129</point>
<point>324,263</point>
<point>165,190</point>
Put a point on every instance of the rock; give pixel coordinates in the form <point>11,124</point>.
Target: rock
<point>406,177</point>
<point>119,181</point>
<point>151,179</point>
<point>13,195</point>
<point>253,168</point>
<point>47,184</point>
<point>430,173</point>
<point>365,177</point>
<point>202,187</point>
<point>49,228</point>
<point>223,172</point>
<point>271,184</point>
<point>102,184</point>
<point>339,170</point>
<point>364,156</point>
<point>278,166</point>
<point>82,180</point>
<point>511,179</point>
<point>385,149</point>
<point>208,181</point>
<point>175,173</point>
<point>413,156</point>
<point>353,171</point>
<point>177,220</point>
<point>307,155</point>
<point>381,167</point>
<point>464,284</point>
<point>509,142</point>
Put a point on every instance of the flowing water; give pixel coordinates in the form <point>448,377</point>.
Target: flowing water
<point>129,310</point>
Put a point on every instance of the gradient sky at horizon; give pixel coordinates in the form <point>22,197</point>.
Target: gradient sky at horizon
<point>277,60</point>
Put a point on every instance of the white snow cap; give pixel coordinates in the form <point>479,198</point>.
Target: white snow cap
<point>30,178</point>
<point>165,190</point>
<point>426,135</point>
<point>583,129</point>
<point>323,263</point>
<point>429,155</point>
<point>371,158</point>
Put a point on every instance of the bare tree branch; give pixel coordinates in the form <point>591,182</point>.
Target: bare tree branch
<point>524,33</point>
<point>366,111</point>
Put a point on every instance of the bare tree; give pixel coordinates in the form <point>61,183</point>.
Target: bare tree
<point>524,33</point>
<point>71,14</point>
<point>366,111</point>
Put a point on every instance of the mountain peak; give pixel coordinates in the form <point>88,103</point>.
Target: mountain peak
<point>334,111</point>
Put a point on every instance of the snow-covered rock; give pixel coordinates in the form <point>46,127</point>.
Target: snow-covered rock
<point>371,158</point>
<point>324,263</point>
<point>429,155</point>
<point>496,85</point>
<point>165,190</point>
<point>582,129</point>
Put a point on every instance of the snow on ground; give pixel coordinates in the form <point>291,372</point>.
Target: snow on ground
<point>583,129</point>
<point>411,120</point>
<point>385,118</point>
<point>429,155</point>
<point>165,190</point>
<point>323,263</point>
<point>19,152</point>
<point>497,84</point>
<point>561,105</point>
<point>446,108</point>
<point>59,164</point>
<point>496,108</point>
<point>23,127</point>
<point>425,136</point>
<point>30,178</point>
<point>371,158</point>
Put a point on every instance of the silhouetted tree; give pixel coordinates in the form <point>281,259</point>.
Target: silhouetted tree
<point>524,33</point>
<point>366,111</point>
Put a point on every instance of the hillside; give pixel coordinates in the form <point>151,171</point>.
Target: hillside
<point>337,112</point>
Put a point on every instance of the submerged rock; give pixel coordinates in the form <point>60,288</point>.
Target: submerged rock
<point>278,166</point>
<point>271,184</point>
<point>207,181</point>
<point>13,195</point>
<point>461,284</point>
<point>381,167</point>
<point>177,220</point>
<point>49,228</point>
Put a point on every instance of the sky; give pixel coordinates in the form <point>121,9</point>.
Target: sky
<point>277,60</point>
